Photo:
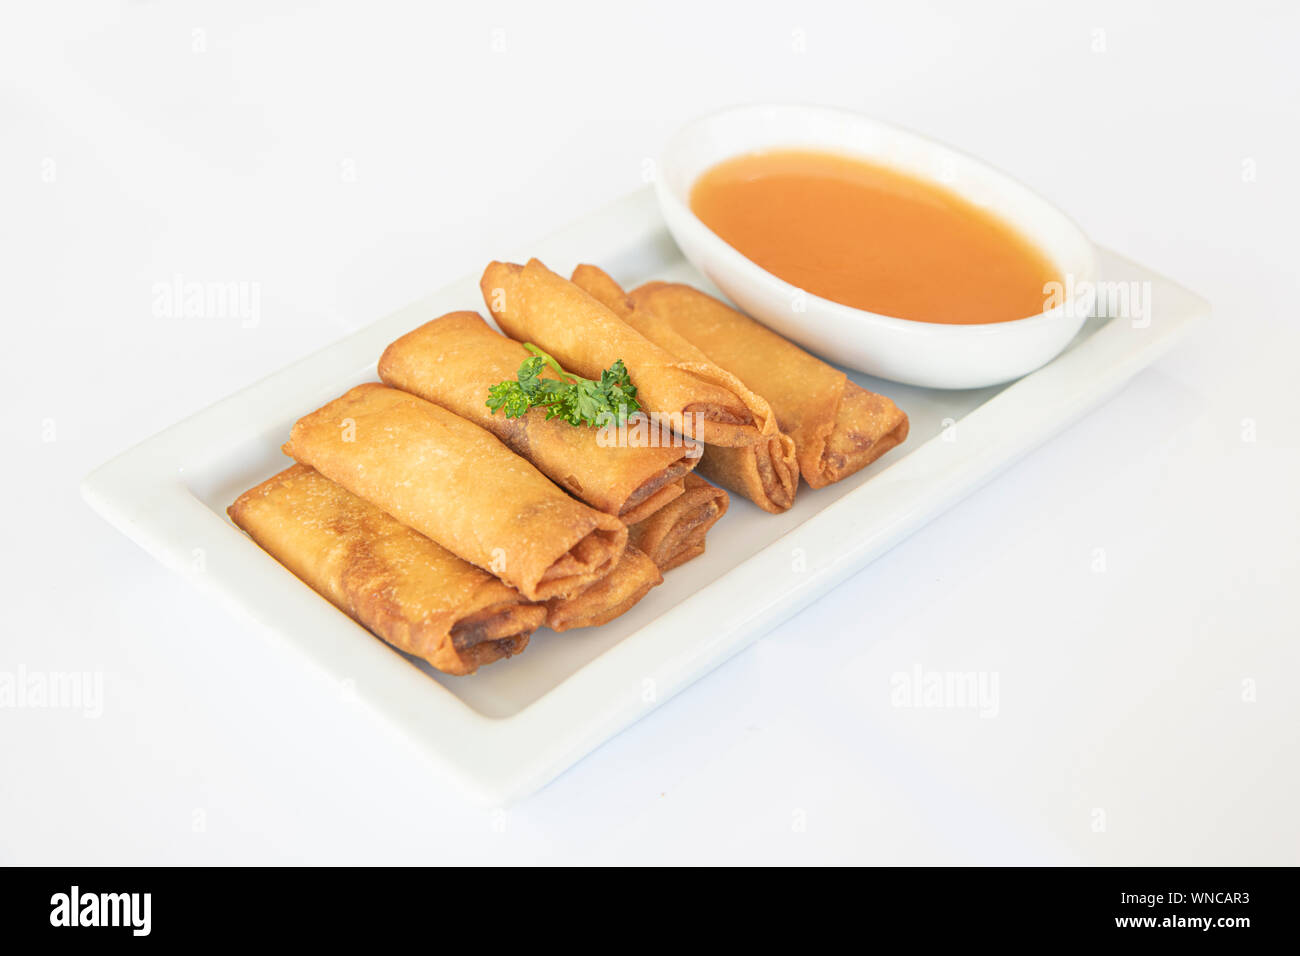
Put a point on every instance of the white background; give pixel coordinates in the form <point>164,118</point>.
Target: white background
<point>350,159</point>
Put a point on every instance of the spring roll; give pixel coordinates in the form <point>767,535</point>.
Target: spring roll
<point>533,304</point>
<point>766,472</point>
<point>608,598</point>
<point>838,427</point>
<point>454,360</point>
<point>412,593</point>
<point>675,534</point>
<point>455,483</point>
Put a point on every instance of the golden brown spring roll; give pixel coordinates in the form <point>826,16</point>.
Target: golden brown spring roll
<point>675,534</point>
<point>837,426</point>
<point>766,472</point>
<point>412,593</point>
<point>608,598</point>
<point>533,304</point>
<point>454,360</point>
<point>455,483</point>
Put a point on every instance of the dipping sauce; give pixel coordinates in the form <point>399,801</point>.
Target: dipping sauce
<point>872,237</point>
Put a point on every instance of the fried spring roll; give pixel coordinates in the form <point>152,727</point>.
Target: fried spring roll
<point>455,483</point>
<point>454,360</point>
<point>837,426</point>
<point>766,472</point>
<point>533,304</point>
<point>675,534</point>
<point>608,598</point>
<point>412,593</point>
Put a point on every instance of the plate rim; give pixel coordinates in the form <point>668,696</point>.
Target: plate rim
<point>498,760</point>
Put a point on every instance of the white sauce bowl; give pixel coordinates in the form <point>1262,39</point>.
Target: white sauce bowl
<point>918,353</point>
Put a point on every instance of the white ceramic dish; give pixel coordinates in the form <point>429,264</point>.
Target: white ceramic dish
<point>516,725</point>
<point>917,353</point>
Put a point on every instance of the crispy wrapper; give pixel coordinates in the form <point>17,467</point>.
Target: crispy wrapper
<point>533,304</point>
<point>837,426</point>
<point>675,534</point>
<point>454,360</point>
<point>766,472</point>
<point>608,598</point>
<point>456,483</point>
<point>416,595</point>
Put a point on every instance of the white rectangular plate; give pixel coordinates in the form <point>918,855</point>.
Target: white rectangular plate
<point>516,725</point>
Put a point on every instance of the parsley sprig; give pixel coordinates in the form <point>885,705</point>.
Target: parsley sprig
<point>577,400</point>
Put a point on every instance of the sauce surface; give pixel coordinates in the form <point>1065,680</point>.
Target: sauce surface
<point>872,237</point>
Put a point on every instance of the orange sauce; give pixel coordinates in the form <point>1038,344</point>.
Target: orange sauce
<point>872,237</point>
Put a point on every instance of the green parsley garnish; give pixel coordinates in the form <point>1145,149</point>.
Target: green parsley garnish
<point>578,400</point>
